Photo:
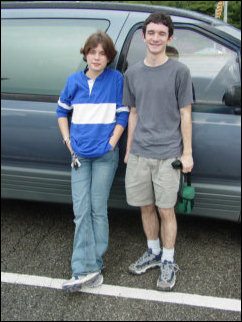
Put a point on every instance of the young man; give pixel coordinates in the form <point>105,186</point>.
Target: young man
<point>158,91</point>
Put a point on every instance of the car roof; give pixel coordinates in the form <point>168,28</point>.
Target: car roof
<point>111,6</point>
<point>219,25</point>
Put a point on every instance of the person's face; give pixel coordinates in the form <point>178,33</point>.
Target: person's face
<point>156,38</point>
<point>97,59</point>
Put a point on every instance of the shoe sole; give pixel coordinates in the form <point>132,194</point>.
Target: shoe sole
<point>77,286</point>
<point>166,288</point>
<point>135,272</point>
<point>72,289</point>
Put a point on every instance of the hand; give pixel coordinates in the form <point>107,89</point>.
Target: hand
<point>111,142</point>
<point>126,157</point>
<point>187,163</point>
<point>112,147</point>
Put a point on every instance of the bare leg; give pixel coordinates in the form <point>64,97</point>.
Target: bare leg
<point>150,222</point>
<point>151,228</point>
<point>168,227</point>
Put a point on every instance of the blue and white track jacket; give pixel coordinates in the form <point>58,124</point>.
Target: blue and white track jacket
<point>95,114</point>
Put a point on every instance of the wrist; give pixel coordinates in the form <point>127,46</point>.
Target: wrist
<point>187,153</point>
<point>66,140</point>
<point>112,143</point>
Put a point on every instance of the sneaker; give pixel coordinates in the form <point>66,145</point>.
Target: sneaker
<point>167,278</point>
<point>145,262</point>
<point>76,282</point>
<point>94,283</point>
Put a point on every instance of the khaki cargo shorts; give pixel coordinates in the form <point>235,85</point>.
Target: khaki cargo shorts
<point>151,181</point>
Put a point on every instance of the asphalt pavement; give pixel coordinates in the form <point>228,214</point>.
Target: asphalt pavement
<point>36,239</point>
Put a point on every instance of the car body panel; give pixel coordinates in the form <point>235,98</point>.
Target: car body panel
<point>36,166</point>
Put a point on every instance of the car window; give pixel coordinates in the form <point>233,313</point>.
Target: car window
<point>213,66</point>
<point>39,54</point>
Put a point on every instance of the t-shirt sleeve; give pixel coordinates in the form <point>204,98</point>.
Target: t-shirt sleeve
<point>184,88</point>
<point>128,95</point>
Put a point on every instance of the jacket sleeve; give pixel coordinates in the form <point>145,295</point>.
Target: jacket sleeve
<point>122,112</point>
<point>64,103</point>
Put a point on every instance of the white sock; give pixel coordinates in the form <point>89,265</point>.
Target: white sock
<point>155,246</point>
<point>168,255</point>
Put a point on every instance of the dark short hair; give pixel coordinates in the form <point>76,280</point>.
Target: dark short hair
<point>159,17</point>
<point>102,38</point>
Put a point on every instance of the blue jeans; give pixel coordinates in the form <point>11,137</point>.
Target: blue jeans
<point>91,184</point>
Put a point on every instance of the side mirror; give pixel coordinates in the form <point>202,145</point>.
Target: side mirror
<point>232,97</point>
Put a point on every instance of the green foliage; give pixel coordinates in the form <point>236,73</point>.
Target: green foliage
<point>234,13</point>
<point>206,7</point>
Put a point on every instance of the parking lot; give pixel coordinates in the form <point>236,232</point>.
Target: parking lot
<point>36,240</point>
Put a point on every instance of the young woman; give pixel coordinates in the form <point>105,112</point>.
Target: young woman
<point>98,120</point>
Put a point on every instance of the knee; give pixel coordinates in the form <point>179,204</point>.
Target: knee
<point>148,209</point>
<point>167,214</point>
<point>99,204</point>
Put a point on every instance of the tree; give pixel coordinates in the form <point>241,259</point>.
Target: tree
<point>206,7</point>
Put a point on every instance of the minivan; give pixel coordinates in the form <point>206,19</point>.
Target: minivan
<point>40,48</point>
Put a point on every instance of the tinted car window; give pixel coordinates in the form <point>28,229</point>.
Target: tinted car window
<point>48,50</point>
<point>213,66</point>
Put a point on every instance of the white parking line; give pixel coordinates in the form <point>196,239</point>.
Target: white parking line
<point>127,292</point>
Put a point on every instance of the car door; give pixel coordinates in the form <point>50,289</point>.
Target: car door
<point>214,65</point>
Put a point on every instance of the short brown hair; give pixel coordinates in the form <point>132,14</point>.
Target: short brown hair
<point>102,38</point>
<point>159,17</point>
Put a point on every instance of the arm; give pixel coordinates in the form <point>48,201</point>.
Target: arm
<point>133,118</point>
<point>122,114</point>
<point>118,131</point>
<point>186,130</point>
<point>64,128</point>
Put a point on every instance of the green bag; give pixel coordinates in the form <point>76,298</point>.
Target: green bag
<point>186,194</point>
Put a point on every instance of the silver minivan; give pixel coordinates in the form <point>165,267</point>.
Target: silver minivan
<point>40,48</point>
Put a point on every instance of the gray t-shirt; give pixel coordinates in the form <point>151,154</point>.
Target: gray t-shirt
<point>158,93</point>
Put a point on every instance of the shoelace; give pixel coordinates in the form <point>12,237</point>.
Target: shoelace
<point>167,270</point>
<point>144,256</point>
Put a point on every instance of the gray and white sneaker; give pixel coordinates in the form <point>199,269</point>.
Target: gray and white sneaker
<point>95,283</point>
<point>167,278</point>
<point>76,282</point>
<point>145,262</point>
